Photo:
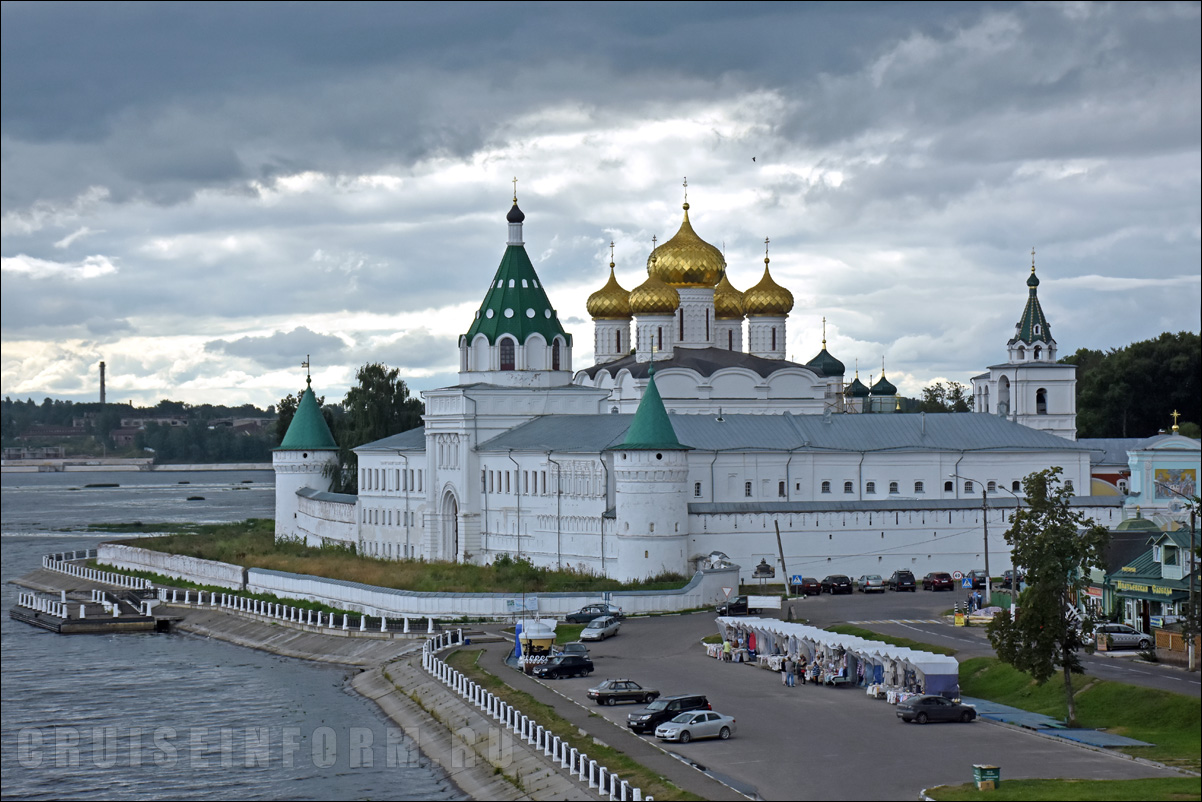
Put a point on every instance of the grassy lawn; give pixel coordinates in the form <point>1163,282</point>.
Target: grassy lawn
<point>252,544</point>
<point>1168,788</point>
<point>868,634</point>
<point>628,769</point>
<point>1171,721</point>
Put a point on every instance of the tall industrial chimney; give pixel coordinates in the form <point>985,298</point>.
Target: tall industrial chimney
<point>102,382</point>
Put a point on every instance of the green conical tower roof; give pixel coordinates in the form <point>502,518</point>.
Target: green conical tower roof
<point>1033,326</point>
<point>516,302</point>
<point>308,430</point>
<point>651,430</point>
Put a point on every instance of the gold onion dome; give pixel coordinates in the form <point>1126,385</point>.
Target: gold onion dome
<point>611,302</point>
<point>728,302</point>
<point>767,299</point>
<point>686,260</point>
<point>654,297</point>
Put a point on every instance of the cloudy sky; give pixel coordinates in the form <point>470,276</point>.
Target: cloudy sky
<point>202,194</point>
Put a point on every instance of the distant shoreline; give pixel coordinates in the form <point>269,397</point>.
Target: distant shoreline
<point>82,464</point>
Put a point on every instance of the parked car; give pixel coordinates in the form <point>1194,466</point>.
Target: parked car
<point>1008,578</point>
<point>572,648</point>
<point>902,580</point>
<point>601,628</point>
<point>921,709</point>
<point>590,611</point>
<point>938,580</point>
<point>736,606</point>
<point>836,583</point>
<point>665,708</point>
<point>979,579</point>
<point>1121,636</point>
<point>699,724</point>
<point>871,583</point>
<point>810,586</point>
<point>613,691</point>
<point>565,665</point>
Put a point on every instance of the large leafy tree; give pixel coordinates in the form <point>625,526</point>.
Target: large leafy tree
<point>949,397</point>
<point>378,405</point>
<point>1057,548</point>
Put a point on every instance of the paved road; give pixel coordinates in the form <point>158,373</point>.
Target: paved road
<point>822,742</point>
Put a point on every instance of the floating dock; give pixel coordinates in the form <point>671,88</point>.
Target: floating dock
<point>98,612</point>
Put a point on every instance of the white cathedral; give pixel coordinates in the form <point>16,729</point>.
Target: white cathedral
<point>687,439</point>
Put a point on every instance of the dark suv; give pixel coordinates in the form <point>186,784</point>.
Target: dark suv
<point>836,583</point>
<point>565,665</point>
<point>902,580</point>
<point>664,709</point>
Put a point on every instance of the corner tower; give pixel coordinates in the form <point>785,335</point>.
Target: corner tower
<point>516,339</point>
<point>651,473</point>
<point>306,457</point>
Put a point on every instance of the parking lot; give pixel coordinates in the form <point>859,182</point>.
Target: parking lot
<point>818,741</point>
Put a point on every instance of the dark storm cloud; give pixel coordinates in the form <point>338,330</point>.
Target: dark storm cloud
<point>283,349</point>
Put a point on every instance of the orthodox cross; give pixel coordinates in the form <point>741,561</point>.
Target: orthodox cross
<point>515,189</point>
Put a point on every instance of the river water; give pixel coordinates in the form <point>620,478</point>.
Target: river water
<point>144,716</point>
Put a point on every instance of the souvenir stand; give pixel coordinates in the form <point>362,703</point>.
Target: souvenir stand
<point>885,671</point>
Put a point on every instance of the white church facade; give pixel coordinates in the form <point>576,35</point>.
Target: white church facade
<point>687,438</point>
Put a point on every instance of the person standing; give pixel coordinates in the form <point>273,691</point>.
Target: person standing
<point>790,672</point>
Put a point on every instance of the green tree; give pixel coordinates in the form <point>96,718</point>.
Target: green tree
<point>1057,548</point>
<point>949,397</point>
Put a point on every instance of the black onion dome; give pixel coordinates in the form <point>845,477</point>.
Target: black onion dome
<point>515,214</point>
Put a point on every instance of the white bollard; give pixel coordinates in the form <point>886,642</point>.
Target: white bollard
<point>63,596</point>
<point>363,622</point>
<point>637,795</point>
<point>624,791</point>
<point>592,774</point>
<point>613,786</point>
<point>116,611</point>
<point>383,624</point>
<point>319,618</point>
<point>345,621</point>
<point>406,625</point>
<point>310,618</point>
<point>83,611</point>
<point>602,775</point>
<point>187,596</point>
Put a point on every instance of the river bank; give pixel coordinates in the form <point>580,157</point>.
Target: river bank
<point>118,465</point>
<point>481,759</point>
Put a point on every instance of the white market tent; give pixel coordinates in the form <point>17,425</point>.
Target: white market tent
<point>938,673</point>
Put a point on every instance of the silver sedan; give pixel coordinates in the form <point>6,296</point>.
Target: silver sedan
<point>871,583</point>
<point>696,724</point>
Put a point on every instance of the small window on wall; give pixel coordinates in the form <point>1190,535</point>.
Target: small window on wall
<point>948,487</point>
<point>991,487</point>
<point>848,487</point>
<point>826,487</point>
<point>870,488</point>
<point>780,489</point>
<point>1068,483</point>
<point>747,489</point>
<point>969,488</point>
<point>507,354</point>
<point>1041,401</point>
<point>918,488</point>
<point>893,488</point>
<point>1016,485</point>
<point>555,355</point>
<point>696,489</point>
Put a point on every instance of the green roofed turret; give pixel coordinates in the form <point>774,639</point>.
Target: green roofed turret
<point>308,430</point>
<point>651,430</point>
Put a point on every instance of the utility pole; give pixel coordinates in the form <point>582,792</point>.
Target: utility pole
<point>985,525</point>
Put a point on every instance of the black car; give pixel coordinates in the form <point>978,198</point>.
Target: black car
<point>664,709</point>
<point>590,611</point>
<point>736,606</point>
<point>565,665</point>
<point>979,579</point>
<point>1008,578</point>
<point>902,580</point>
<point>613,691</point>
<point>921,709</point>
<point>836,583</point>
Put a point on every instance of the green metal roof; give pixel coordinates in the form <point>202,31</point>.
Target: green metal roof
<point>1033,318</point>
<point>308,430</point>
<point>651,430</point>
<point>516,303</point>
<point>827,364</point>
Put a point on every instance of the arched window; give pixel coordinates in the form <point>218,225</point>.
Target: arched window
<point>826,487</point>
<point>848,487</point>
<point>774,338</point>
<point>1016,485</point>
<point>682,325</point>
<point>870,488</point>
<point>948,487</point>
<point>747,489</point>
<point>991,487</point>
<point>659,336</point>
<point>707,325</point>
<point>696,489</point>
<point>507,354</point>
<point>618,341</point>
<point>1022,352</point>
<point>1037,351</point>
<point>1041,401</point>
<point>918,488</point>
<point>555,355</point>
<point>893,488</point>
<point>968,487</point>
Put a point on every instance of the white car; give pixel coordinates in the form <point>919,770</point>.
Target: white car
<point>600,628</point>
<point>696,724</point>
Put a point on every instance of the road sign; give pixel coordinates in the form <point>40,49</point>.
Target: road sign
<point>796,579</point>
<point>727,591</point>
<point>966,582</point>
<point>957,575</point>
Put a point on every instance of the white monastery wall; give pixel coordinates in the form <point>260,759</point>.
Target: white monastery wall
<point>177,566</point>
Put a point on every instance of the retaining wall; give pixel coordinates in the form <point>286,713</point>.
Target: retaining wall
<point>176,566</point>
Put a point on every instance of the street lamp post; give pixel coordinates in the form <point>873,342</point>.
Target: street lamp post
<point>985,527</point>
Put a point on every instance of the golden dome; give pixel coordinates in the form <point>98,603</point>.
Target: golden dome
<point>654,297</point>
<point>686,260</point>
<point>728,302</point>
<point>611,302</point>
<point>767,299</point>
